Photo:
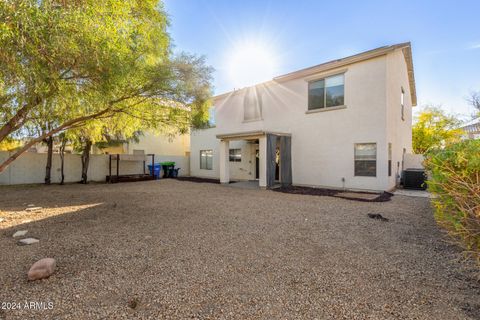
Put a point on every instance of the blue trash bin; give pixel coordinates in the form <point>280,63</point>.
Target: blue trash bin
<point>156,170</point>
<point>173,172</point>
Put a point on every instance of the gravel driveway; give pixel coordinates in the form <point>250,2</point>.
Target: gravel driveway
<point>176,250</point>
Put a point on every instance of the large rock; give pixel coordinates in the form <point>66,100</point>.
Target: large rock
<point>42,269</point>
<point>27,241</point>
<point>20,233</point>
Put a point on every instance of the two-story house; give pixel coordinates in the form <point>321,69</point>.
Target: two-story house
<point>340,124</point>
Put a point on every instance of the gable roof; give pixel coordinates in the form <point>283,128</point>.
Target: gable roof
<point>405,47</point>
<point>472,126</point>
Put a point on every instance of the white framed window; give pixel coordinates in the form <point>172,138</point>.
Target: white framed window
<point>235,155</point>
<point>365,159</point>
<point>327,92</point>
<point>402,103</point>
<point>206,159</point>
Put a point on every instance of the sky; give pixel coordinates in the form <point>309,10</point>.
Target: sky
<point>247,42</point>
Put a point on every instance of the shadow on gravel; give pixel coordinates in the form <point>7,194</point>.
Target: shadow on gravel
<point>355,196</point>
<point>200,180</point>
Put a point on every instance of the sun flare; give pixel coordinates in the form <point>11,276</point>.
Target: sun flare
<point>250,63</point>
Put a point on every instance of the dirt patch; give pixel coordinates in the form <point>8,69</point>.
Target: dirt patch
<point>168,249</point>
<point>356,196</point>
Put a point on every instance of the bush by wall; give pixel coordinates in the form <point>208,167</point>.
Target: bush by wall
<point>455,180</point>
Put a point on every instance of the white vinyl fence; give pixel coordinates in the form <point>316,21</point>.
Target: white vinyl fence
<point>30,167</point>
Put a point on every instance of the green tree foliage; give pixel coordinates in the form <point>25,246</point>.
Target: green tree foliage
<point>10,144</point>
<point>77,61</point>
<point>434,129</point>
<point>455,180</point>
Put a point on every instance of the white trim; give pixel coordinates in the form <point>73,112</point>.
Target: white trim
<point>252,120</point>
<point>324,109</point>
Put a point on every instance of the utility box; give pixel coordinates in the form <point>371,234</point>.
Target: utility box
<point>414,179</point>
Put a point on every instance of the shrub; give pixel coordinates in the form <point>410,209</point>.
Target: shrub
<point>455,181</point>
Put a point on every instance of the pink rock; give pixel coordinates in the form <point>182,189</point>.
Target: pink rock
<point>41,269</point>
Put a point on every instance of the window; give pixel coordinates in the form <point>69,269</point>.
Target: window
<point>402,102</point>
<point>206,159</point>
<point>326,93</point>
<point>235,155</point>
<point>389,159</point>
<point>366,159</point>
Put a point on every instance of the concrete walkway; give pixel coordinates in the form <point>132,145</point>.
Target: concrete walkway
<point>413,193</point>
<point>251,184</point>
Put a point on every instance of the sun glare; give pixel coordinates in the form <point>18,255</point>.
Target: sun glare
<point>251,63</point>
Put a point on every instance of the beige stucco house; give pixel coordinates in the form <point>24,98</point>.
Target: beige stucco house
<point>150,142</point>
<point>340,124</point>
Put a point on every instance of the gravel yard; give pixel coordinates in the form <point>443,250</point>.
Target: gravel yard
<point>176,249</point>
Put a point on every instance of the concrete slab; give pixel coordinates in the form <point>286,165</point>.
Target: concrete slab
<point>413,193</point>
<point>244,185</point>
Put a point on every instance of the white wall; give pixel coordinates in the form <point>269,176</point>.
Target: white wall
<point>323,142</point>
<point>205,139</point>
<point>161,144</point>
<point>399,132</point>
<point>30,167</point>
<point>414,161</point>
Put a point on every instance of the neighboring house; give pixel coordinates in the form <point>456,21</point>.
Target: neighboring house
<point>158,144</point>
<point>472,129</point>
<point>341,124</point>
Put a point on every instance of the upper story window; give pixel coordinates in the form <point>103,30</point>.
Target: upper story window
<point>252,105</point>
<point>402,103</point>
<point>327,92</point>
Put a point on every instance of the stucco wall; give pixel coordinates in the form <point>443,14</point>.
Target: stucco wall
<point>161,144</point>
<point>399,132</point>
<point>206,140</point>
<point>150,142</point>
<point>414,161</point>
<point>30,167</point>
<point>323,142</point>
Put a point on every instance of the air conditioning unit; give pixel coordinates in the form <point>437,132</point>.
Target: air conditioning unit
<point>414,179</point>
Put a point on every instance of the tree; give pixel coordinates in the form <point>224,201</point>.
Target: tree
<point>434,129</point>
<point>94,60</point>
<point>42,122</point>
<point>454,179</point>
<point>474,101</point>
<point>10,144</point>
<point>121,127</point>
<point>48,167</point>
<point>63,144</point>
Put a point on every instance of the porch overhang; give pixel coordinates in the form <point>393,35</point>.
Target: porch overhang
<point>269,144</point>
<point>249,135</point>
